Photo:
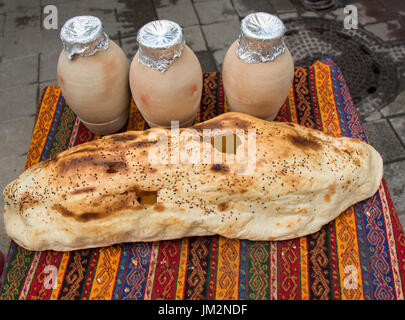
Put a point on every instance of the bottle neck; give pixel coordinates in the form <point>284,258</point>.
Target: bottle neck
<point>101,43</point>
<point>256,51</point>
<point>160,59</point>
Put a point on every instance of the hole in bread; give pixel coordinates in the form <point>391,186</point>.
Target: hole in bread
<point>111,168</point>
<point>146,197</point>
<point>226,143</point>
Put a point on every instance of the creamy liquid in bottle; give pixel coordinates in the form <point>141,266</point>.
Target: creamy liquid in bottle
<point>258,69</point>
<point>93,75</point>
<point>165,76</point>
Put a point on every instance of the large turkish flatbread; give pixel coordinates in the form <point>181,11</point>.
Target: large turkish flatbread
<point>122,188</point>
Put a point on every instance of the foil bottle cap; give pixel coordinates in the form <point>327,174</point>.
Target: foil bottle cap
<point>261,38</point>
<point>161,42</point>
<point>83,35</point>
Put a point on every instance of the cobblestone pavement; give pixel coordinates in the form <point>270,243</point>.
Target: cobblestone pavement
<point>28,56</point>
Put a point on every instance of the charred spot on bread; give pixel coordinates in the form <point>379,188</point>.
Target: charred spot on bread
<point>123,137</point>
<point>79,162</point>
<point>89,216</point>
<point>305,143</point>
<point>152,170</point>
<point>146,197</point>
<point>84,217</point>
<point>159,207</point>
<point>63,211</point>
<point>219,167</point>
<point>143,144</point>
<point>83,190</point>
<point>331,191</point>
<point>82,150</point>
<point>357,162</point>
<point>27,201</point>
<point>113,167</point>
<point>223,206</point>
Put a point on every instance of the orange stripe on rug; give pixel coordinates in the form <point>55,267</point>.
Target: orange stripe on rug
<point>304,268</point>
<point>346,231</point>
<point>135,119</point>
<point>106,272</point>
<point>350,275</point>
<point>42,125</point>
<point>228,269</point>
<point>61,274</point>
<point>292,107</point>
<point>181,277</point>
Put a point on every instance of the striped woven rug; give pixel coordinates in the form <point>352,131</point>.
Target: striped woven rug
<point>360,255</point>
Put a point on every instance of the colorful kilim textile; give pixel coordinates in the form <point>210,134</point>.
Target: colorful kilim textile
<point>360,255</point>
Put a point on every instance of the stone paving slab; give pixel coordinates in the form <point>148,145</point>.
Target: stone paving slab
<point>215,11</point>
<point>387,31</point>
<point>370,11</point>
<point>18,71</point>
<point>15,136</point>
<point>282,5</point>
<point>222,34</point>
<point>2,24</point>
<point>394,174</point>
<point>22,43</point>
<point>181,11</point>
<point>378,133</point>
<point>18,102</point>
<point>194,38</point>
<point>393,109</point>
<point>50,39</point>
<point>395,6</point>
<point>207,61</point>
<point>7,6</point>
<point>1,47</point>
<point>219,37</point>
<point>132,15</point>
<point>244,7</point>
<point>219,56</point>
<point>48,64</point>
<point>18,21</point>
<point>55,2</point>
<point>398,125</point>
<point>10,168</point>
<point>129,46</point>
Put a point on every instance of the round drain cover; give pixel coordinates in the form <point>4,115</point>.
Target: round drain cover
<point>367,67</point>
<point>319,4</point>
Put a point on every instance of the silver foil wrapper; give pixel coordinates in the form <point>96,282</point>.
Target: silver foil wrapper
<point>261,38</point>
<point>83,35</point>
<point>160,43</point>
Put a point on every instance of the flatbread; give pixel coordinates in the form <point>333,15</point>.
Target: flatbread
<point>122,188</point>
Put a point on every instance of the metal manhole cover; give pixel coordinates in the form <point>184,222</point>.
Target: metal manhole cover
<point>368,67</point>
<point>319,4</point>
